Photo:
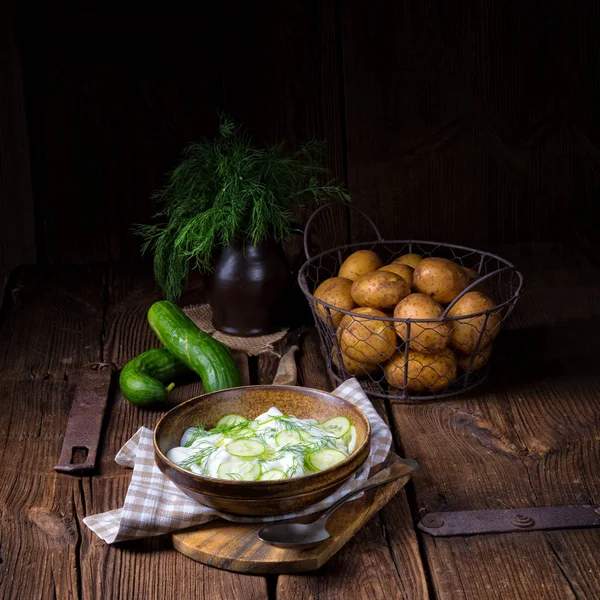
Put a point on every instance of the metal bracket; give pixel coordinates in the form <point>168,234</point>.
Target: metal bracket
<point>82,437</point>
<point>473,522</point>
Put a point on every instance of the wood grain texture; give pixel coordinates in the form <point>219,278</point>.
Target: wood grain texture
<point>366,567</point>
<point>17,231</point>
<point>149,568</point>
<point>236,547</point>
<point>530,438</point>
<point>472,109</point>
<point>54,325</point>
<point>282,77</point>
<point>53,328</point>
<point>432,113</point>
<point>103,138</point>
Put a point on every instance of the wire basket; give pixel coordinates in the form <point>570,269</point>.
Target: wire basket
<point>412,359</point>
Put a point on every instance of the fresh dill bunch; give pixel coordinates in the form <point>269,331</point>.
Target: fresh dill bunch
<point>228,191</point>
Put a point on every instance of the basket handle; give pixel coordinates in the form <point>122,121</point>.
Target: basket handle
<point>329,205</point>
<point>476,283</point>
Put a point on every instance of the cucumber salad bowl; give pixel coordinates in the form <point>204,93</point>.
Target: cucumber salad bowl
<point>261,450</point>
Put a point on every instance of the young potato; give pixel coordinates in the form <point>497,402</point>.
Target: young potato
<point>424,337</point>
<point>335,291</point>
<point>412,260</point>
<point>472,276</point>
<point>359,263</point>
<point>465,332</point>
<point>380,289</point>
<point>354,367</point>
<point>366,340</point>
<point>480,360</point>
<point>426,372</point>
<point>401,269</point>
<point>439,278</point>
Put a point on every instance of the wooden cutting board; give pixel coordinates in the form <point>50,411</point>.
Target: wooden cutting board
<point>236,547</point>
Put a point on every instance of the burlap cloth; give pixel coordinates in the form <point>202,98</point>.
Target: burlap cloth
<point>201,315</point>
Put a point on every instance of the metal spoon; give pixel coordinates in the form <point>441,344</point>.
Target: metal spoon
<point>306,535</point>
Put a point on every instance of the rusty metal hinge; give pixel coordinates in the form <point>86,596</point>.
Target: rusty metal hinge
<point>84,427</point>
<point>473,522</point>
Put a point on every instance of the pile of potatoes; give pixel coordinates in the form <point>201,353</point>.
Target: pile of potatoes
<point>410,287</point>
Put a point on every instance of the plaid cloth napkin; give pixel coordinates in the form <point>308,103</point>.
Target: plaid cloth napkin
<point>154,505</point>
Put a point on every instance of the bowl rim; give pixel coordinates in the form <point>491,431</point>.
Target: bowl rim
<point>267,483</point>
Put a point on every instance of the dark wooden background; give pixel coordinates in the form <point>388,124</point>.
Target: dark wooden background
<point>471,121</point>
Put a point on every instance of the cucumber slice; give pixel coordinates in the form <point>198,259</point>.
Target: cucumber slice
<point>245,448</point>
<point>229,420</point>
<point>242,434</point>
<point>256,424</point>
<point>287,437</point>
<point>324,458</point>
<point>239,470</point>
<point>272,475</point>
<point>338,426</point>
<point>350,439</point>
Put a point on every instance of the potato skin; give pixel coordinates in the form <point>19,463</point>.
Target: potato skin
<point>412,260</point>
<point>359,263</point>
<point>480,360</point>
<point>335,291</point>
<point>401,269</point>
<point>380,289</point>
<point>428,337</point>
<point>440,278</point>
<point>472,276</point>
<point>426,372</point>
<point>465,332</point>
<point>354,367</point>
<point>366,340</point>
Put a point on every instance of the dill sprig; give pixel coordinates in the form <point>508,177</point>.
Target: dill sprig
<point>227,191</point>
<point>233,430</point>
<point>198,457</point>
<point>199,433</point>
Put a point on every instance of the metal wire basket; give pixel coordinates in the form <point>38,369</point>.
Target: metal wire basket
<point>411,359</point>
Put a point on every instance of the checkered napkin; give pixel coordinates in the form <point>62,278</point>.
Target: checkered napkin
<point>154,505</point>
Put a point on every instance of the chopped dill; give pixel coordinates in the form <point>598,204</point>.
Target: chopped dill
<point>199,433</point>
<point>230,430</point>
<point>309,439</point>
<point>198,457</point>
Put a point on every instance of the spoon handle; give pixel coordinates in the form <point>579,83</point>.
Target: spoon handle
<point>400,468</point>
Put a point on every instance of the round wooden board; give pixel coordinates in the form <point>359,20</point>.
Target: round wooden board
<point>236,547</point>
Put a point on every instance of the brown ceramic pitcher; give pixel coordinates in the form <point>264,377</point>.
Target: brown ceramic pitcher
<point>250,290</point>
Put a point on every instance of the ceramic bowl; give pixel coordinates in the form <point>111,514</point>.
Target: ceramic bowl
<point>259,497</point>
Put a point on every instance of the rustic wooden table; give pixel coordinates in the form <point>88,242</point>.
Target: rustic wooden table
<point>531,437</point>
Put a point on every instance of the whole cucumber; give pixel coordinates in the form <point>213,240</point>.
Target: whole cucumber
<point>199,351</point>
<point>142,378</point>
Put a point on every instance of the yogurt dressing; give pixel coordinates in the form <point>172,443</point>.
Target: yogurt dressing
<point>289,444</point>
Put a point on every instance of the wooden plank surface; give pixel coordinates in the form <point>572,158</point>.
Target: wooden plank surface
<point>53,328</point>
<point>236,547</point>
<point>473,122</point>
<point>106,123</point>
<point>17,230</point>
<point>149,568</point>
<point>367,567</point>
<point>530,439</point>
